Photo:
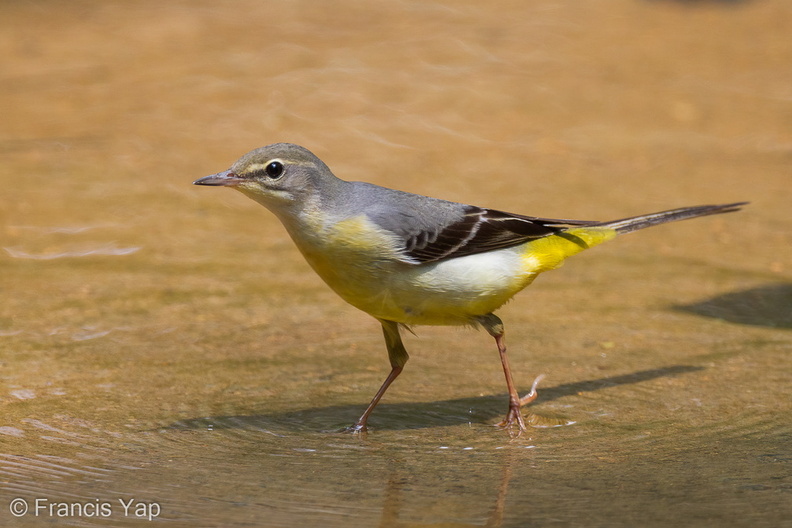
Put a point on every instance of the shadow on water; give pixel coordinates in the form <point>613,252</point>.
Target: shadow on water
<point>769,306</point>
<point>417,415</point>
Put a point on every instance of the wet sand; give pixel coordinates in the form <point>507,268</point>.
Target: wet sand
<point>167,344</point>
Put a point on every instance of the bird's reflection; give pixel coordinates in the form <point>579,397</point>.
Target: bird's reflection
<point>402,483</point>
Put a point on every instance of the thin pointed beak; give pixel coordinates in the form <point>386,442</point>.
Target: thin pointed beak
<point>226,178</point>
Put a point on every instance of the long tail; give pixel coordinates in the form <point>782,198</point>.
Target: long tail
<point>634,223</point>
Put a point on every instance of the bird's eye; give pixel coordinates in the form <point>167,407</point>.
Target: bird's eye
<point>274,169</point>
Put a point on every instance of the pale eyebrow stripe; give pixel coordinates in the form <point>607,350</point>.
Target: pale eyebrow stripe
<point>262,166</point>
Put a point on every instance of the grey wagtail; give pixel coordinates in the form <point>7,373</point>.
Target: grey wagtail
<point>407,259</point>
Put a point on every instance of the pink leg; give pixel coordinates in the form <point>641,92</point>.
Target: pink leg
<point>361,425</point>
<point>494,326</point>
<point>398,357</point>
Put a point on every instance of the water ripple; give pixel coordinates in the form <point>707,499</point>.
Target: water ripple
<point>105,250</point>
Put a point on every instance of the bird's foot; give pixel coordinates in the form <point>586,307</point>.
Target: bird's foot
<point>358,429</point>
<point>514,416</point>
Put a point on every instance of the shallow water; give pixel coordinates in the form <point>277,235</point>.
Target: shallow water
<point>166,345</point>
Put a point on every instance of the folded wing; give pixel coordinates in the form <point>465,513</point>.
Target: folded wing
<point>477,231</point>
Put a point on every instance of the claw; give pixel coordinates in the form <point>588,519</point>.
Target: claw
<point>513,417</point>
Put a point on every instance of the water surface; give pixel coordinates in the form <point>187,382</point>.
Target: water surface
<point>166,345</point>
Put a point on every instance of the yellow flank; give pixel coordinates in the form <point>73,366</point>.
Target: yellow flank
<point>360,262</point>
<point>550,252</point>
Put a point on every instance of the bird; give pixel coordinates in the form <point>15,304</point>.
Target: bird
<point>408,260</point>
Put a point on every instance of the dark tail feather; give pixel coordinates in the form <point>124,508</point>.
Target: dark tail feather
<point>627,225</point>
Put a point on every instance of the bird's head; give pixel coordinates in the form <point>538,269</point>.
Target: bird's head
<point>278,176</point>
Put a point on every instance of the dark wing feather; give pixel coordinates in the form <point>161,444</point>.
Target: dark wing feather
<point>481,230</point>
